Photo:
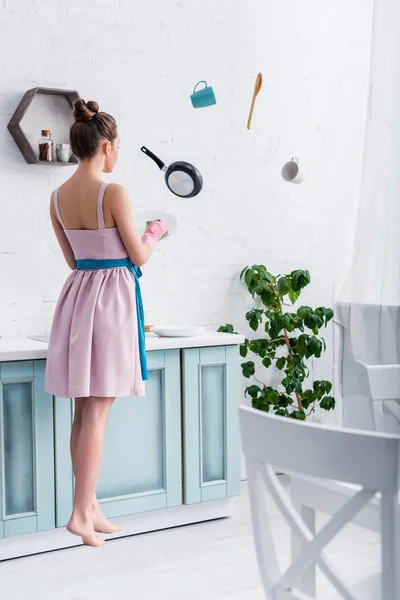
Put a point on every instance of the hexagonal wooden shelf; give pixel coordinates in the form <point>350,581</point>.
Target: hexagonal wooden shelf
<point>25,129</point>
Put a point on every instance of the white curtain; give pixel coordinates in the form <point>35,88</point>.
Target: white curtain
<point>368,306</point>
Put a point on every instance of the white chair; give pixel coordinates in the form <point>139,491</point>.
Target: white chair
<point>384,385</point>
<point>370,392</point>
<point>365,459</point>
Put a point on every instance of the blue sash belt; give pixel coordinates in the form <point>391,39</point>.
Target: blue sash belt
<point>109,263</point>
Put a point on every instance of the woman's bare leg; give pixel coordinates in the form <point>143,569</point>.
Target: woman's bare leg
<point>87,461</point>
<point>100,523</point>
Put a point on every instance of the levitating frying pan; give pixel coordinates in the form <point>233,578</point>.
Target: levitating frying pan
<point>182,178</point>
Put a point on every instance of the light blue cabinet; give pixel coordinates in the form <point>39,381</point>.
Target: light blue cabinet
<point>177,445</point>
<point>141,467</point>
<point>211,389</point>
<point>26,450</point>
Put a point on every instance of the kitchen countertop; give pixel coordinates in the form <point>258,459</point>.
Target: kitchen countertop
<point>35,347</point>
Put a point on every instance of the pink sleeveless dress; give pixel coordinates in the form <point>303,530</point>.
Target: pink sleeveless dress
<point>93,347</point>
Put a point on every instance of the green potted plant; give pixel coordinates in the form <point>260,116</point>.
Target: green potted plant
<point>290,339</point>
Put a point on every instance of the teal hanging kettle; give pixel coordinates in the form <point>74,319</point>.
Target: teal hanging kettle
<point>203,97</point>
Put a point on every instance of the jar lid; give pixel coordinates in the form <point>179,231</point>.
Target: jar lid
<point>46,131</point>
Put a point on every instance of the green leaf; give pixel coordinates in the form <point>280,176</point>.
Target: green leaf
<point>266,362</point>
<point>308,397</point>
<point>288,384</point>
<point>260,269</point>
<point>300,279</point>
<point>301,345</point>
<point>300,415</point>
<point>283,286</point>
<point>311,321</point>
<point>314,347</point>
<point>260,405</point>
<point>248,369</point>
<point>254,317</point>
<point>248,276</point>
<point>293,296</point>
<point>263,273</point>
<point>254,323</point>
<point>280,363</point>
<point>290,322</point>
<point>253,391</point>
<point>303,311</point>
<point>254,346</point>
<point>281,412</point>
<point>327,403</point>
<point>272,395</point>
<point>275,326</point>
<point>326,314</point>
<point>284,400</point>
<point>325,386</point>
<point>243,350</point>
<point>268,298</point>
<point>320,314</point>
<point>318,391</point>
<point>243,271</point>
<point>226,329</point>
<point>329,314</point>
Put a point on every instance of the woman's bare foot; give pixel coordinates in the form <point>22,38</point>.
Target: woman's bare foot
<point>84,529</point>
<point>100,523</point>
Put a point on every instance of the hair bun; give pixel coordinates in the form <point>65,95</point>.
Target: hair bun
<point>84,111</point>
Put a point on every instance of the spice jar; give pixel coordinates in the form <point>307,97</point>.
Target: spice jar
<point>46,146</point>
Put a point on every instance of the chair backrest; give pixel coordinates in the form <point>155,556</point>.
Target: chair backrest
<point>370,393</point>
<point>368,459</point>
<point>384,389</point>
<point>384,381</point>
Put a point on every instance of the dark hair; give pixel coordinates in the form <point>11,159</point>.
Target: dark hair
<point>91,127</point>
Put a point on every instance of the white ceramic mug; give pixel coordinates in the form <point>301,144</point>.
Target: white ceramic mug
<point>291,171</point>
<point>63,152</point>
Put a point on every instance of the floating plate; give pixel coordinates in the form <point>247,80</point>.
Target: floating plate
<point>153,215</point>
<point>177,332</point>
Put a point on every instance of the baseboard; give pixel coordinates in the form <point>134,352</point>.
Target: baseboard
<point>60,538</point>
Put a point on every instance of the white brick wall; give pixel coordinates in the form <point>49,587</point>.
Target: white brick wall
<point>140,61</point>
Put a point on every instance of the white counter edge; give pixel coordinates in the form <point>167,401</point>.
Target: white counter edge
<point>16,349</point>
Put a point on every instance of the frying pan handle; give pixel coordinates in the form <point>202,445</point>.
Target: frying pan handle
<point>157,160</point>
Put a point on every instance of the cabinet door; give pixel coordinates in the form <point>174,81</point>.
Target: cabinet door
<point>141,468</point>
<point>26,450</point>
<point>211,390</point>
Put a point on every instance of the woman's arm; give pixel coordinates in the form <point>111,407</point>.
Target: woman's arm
<point>61,237</point>
<point>120,207</point>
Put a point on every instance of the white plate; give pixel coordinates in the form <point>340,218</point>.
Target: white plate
<point>152,215</point>
<point>178,331</point>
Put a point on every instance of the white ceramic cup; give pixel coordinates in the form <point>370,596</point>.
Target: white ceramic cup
<point>63,152</point>
<point>291,171</point>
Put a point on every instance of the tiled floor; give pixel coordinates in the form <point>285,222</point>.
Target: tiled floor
<point>208,561</point>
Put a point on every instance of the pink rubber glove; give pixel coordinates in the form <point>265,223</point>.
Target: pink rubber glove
<point>154,233</point>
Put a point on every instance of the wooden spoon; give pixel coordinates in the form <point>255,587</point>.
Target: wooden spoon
<point>257,88</point>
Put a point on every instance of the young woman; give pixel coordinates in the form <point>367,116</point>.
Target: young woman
<point>96,349</point>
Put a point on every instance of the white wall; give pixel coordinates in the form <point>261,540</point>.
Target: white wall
<point>314,57</point>
<point>140,61</point>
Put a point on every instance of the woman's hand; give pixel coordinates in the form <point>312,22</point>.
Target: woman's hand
<point>154,232</point>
